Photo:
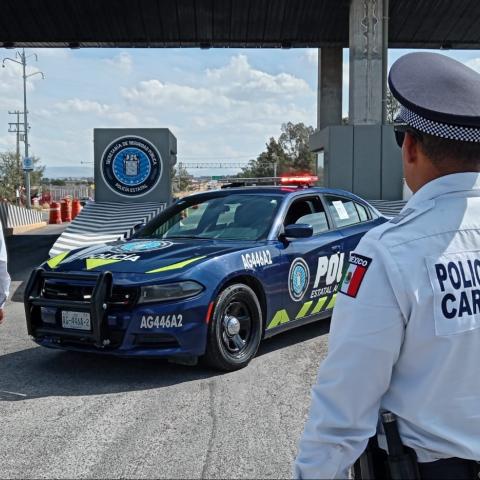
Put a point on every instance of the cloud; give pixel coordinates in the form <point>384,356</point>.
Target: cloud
<point>99,112</point>
<point>155,92</point>
<point>123,61</point>
<point>230,96</point>
<point>77,105</point>
<point>240,80</point>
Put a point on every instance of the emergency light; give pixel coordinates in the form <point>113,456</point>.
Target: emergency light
<point>299,179</point>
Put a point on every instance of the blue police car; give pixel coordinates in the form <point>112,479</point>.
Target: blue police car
<point>209,277</point>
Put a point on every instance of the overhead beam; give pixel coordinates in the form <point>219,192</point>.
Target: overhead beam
<point>366,67</point>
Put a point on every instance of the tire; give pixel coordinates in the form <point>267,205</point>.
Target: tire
<point>235,329</point>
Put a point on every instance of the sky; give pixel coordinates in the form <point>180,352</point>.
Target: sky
<point>221,104</point>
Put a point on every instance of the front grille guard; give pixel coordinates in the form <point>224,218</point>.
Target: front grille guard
<point>96,306</point>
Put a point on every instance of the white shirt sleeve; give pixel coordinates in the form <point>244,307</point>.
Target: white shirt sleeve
<point>4,276</point>
<point>366,335</point>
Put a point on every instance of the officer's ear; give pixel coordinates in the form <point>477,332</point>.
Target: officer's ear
<point>417,167</point>
<point>411,158</point>
<point>410,149</point>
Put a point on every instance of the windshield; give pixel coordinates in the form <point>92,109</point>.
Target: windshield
<point>229,217</point>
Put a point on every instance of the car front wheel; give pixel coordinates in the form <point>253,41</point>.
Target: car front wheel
<point>235,328</point>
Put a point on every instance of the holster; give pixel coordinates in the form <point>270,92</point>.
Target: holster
<point>372,463</point>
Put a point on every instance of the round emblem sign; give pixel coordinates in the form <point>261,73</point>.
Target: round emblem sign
<point>298,279</point>
<point>131,166</point>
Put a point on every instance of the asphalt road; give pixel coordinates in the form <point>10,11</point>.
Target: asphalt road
<point>68,415</point>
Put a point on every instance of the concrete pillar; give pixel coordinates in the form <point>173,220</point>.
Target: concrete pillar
<point>366,53</point>
<point>329,96</point>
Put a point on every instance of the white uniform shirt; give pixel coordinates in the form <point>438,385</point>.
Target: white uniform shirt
<point>409,342</point>
<point>4,276</point>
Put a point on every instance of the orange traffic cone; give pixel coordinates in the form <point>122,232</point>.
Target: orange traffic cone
<point>55,216</point>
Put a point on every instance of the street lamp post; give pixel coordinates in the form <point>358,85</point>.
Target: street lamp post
<point>23,63</point>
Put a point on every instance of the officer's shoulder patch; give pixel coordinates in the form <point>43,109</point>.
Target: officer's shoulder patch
<point>402,215</point>
<point>355,274</point>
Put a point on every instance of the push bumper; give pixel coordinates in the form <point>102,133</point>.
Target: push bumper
<point>115,330</point>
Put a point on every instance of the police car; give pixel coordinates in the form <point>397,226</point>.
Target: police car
<point>209,277</point>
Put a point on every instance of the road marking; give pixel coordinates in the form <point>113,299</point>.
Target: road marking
<point>14,393</point>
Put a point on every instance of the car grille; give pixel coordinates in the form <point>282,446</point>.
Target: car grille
<point>126,296</point>
<point>156,340</point>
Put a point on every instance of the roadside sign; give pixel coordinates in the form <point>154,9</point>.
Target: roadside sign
<point>27,163</point>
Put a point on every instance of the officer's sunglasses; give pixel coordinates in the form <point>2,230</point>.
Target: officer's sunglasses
<point>400,129</point>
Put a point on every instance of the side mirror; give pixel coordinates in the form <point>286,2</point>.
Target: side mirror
<point>138,227</point>
<point>298,230</point>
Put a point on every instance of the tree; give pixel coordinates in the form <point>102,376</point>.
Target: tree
<point>181,179</point>
<point>12,175</point>
<point>392,107</point>
<point>264,164</point>
<point>294,141</point>
<point>290,153</point>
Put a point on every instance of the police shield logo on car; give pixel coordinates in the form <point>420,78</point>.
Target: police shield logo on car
<point>145,246</point>
<point>298,279</point>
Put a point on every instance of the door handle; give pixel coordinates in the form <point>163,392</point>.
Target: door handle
<point>336,248</point>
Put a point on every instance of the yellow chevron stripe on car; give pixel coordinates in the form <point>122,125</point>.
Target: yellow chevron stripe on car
<point>304,310</point>
<point>92,263</point>
<point>280,317</point>
<point>175,266</point>
<point>331,303</point>
<point>319,306</point>
<point>54,262</point>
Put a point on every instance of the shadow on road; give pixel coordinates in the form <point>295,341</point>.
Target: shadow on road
<point>26,252</point>
<point>297,335</point>
<point>38,372</point>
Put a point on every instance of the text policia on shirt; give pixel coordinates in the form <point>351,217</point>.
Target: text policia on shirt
<point>455,280</point>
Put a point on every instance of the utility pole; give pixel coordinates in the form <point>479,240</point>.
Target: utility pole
<point>14,127</point>
<point>23,62</point>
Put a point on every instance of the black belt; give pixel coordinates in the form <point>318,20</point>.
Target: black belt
<point>450,469</point>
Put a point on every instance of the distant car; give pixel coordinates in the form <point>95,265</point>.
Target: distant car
<point>209,277</point>
<point>85,200</point>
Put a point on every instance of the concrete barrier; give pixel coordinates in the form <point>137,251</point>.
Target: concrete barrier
<point>19,219</point>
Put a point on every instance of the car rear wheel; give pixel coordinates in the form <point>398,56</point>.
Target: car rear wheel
<point>235,328</point>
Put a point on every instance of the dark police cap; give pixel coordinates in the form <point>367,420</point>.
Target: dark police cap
<point>438,95</point>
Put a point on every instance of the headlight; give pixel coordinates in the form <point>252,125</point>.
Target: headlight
<point>169,291</point>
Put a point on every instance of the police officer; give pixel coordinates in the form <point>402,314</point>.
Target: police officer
<point>4,276</point>
<point>405,333</point>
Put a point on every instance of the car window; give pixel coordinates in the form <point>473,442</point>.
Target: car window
<point>229,217</point>
<point>317,220</point>
<point>343,211</point>
<point>310,211</point>
<point>362,212</point>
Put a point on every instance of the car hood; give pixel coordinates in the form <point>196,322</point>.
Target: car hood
<point>145,256</point>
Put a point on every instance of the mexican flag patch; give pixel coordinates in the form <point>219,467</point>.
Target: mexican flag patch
<point>354,275</point>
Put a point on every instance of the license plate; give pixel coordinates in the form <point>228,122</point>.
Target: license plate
<point>76,320</point>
